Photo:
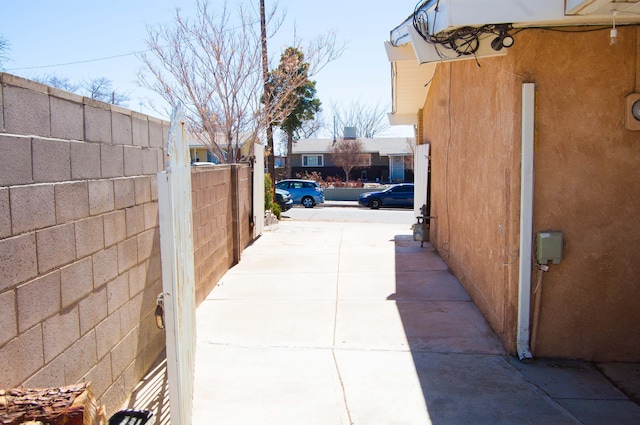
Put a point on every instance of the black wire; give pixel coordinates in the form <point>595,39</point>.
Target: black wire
<point>465,41</point>
<point>430,80</point>
<point>577,30</point>
<point>416,19</point>
<point>599,28</point>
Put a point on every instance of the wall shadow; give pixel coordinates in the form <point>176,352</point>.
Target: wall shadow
<point>458,359</point>
<point>464,373</point>
<point>152,393</point>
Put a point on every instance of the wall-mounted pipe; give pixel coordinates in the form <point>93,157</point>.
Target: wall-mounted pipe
<point>526,221</point>
<point>537,299</point>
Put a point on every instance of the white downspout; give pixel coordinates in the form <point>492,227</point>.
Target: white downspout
<point>526,221</point>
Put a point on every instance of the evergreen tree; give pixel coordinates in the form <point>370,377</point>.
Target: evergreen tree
<point>296,95</point>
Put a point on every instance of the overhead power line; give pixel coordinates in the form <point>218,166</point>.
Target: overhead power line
<point>78,62</point>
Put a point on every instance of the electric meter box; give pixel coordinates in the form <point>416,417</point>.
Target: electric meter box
<point>549,247</point>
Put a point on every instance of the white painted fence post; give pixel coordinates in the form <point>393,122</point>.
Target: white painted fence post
<point>258,190</point>
<point>178,282</point>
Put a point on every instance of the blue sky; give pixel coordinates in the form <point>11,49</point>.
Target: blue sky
<point>43,33</point>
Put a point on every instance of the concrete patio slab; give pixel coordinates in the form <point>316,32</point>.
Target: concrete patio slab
<point>277,286</point>
<point>470,389</point>
<point>382,387</point>
<point>352,323</point>
<point>597,412</point>
<point>625,376</point>
<point>437,326</point>
<point>305,263</point>
<point>277,323</point>
<point>419,261</point>
<point>267,386</point>
<point>568,379</point>
<point>363,263</point>
<point>366,285</point>
<point>582,389</point>
<point>438,285</point>
<point>282,340</point>
<point>401,286</point>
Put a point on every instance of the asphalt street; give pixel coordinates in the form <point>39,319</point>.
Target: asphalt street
<point>350,213</point>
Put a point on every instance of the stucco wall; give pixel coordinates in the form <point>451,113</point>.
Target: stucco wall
<point>475,179</point>
<point>587,177</point>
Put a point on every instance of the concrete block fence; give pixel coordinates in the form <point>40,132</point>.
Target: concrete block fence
<point>221,198</point>
<point>80,243</point>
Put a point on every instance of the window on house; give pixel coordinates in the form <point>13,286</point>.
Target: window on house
<point>366,159</point>
<point>312,161</point>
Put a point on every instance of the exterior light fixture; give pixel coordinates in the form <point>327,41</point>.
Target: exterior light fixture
<point>507,41</point>
<point>502,40</point>
<point>635,110</point>
<point>613,34</point>
<point>632,112</point>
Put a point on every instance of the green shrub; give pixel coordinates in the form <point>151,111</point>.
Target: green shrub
<point>269,203</point>
<point>275,209</point>
<point>268,192</point>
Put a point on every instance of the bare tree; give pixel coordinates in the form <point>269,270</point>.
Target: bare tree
<point>4,48</point>
<point>312,127</point>
<point>97,88</point>
<point>59,82</point>
<point>411,147</point>
<point>348,154</point>
<point>368,119</point>
<point>212,65</point>
<point>209,64</point>
<point>100,89</point>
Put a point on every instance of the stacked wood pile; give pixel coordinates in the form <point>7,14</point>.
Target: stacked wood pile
<point>70,405</point>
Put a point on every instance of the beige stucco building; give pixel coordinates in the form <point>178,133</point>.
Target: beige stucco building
<point>586,179</point>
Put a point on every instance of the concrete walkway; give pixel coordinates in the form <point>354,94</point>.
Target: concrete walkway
<point>349,323</point>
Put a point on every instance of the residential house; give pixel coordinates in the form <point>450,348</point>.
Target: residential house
<point>388,159</point>
<point>200,152</point>
<point>532,119</point>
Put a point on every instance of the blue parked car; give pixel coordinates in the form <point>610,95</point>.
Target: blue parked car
<point>305,192</point>
<point>399,195</point>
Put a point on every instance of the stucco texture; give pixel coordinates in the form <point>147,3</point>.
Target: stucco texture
<point>587,177</point>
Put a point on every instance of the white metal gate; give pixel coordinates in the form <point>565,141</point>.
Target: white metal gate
<point>421,177</point>
<point>258,190</point>
<point>178,282</point>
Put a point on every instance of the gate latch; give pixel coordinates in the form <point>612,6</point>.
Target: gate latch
<point>159,313</point>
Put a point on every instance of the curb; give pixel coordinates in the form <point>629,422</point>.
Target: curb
<point>350,204</point>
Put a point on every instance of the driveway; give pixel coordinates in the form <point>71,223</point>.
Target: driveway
<point>336,322</point>
<point>354,323</point>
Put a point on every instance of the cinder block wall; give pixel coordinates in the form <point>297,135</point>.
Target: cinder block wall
<point>79,241</point>
<point>217,226</point>
<point>79,238</point>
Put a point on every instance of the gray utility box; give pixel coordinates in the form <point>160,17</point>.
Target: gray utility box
<point>549,247</point>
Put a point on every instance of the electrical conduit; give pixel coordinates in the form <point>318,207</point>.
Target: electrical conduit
<point>526,222</point>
